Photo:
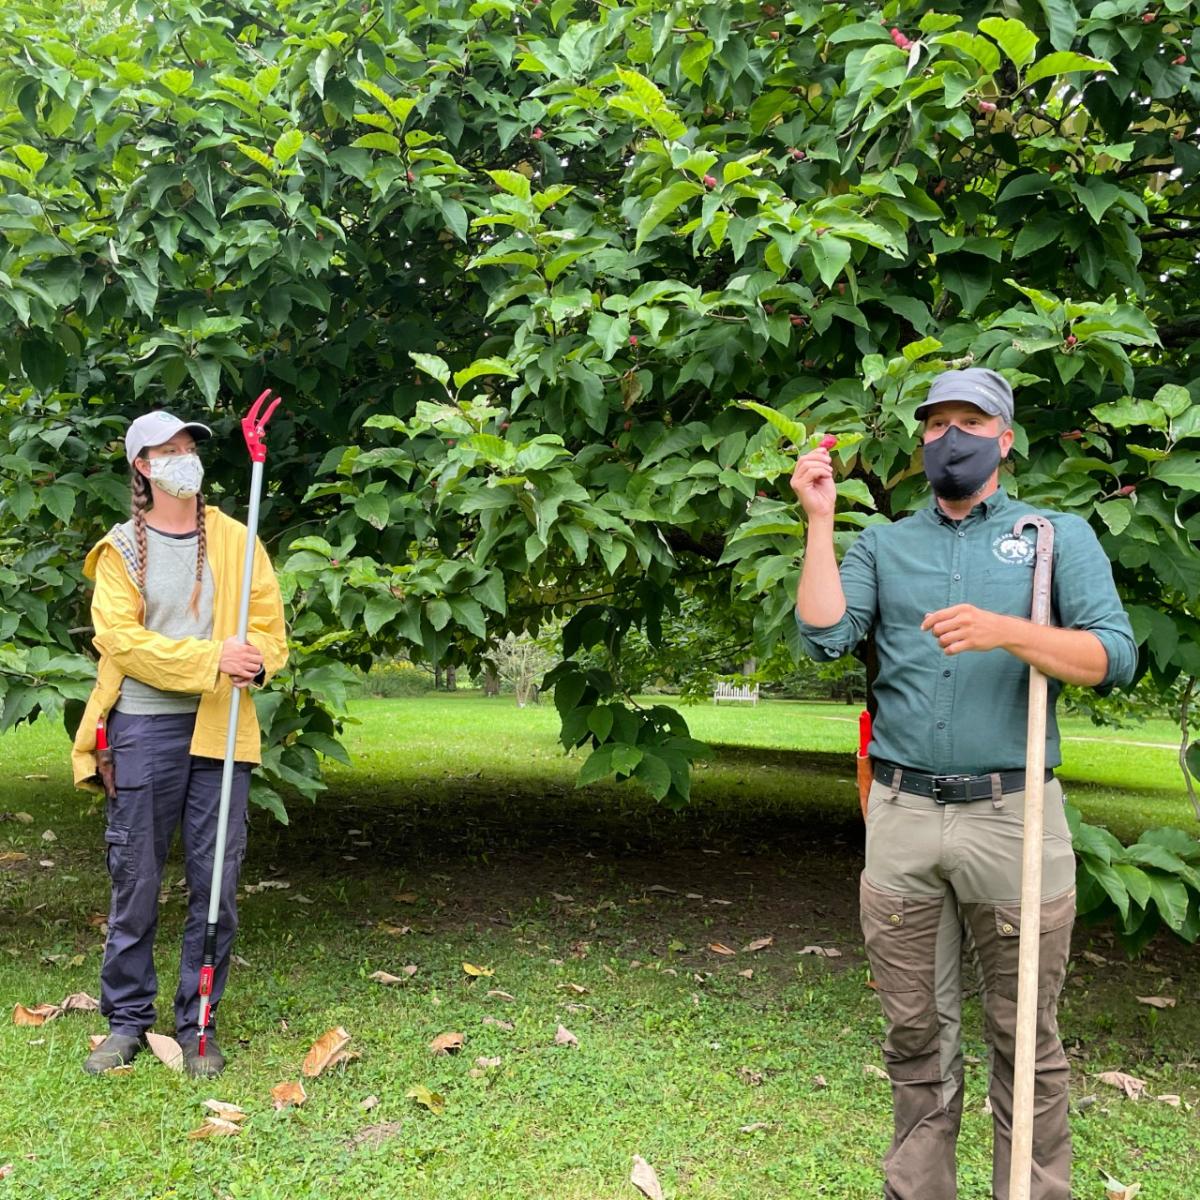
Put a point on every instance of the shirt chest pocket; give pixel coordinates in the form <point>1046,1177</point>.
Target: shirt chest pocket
<point>1007,589</point>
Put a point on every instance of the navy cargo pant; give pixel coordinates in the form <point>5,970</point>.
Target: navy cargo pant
<point>162,787</point>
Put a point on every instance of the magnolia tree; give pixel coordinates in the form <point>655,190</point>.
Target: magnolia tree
<point>556,290</point>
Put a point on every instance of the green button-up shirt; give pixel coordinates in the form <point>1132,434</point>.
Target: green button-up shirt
<point>966,713</point>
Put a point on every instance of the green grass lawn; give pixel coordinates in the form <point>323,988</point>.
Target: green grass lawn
<point>595,909</point>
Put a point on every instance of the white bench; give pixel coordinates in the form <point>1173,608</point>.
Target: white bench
<point>731,691</point>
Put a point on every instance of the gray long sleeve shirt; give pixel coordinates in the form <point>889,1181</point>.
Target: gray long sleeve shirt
<point>966,713</point>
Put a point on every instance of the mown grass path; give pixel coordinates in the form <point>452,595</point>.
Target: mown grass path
<point>458,837</point>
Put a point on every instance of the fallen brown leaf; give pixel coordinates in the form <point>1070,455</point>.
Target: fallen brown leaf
<point>821,952</point>
<point>1129,1084</point>
<point>644,1179</point>
<point>166,1049</point>
<point>1171,1099</point>
<point>94,1040</point>
<point>1115,1190</point>
<point>507,1026</point>
<point>658,887</point>
<point>9,857</point>
<point>487,1062</point>
<point>1097,960</point>
<point>369,1103</point>
<point>720,948</point>
<point>325,1051</point>
<point>748,973</point>
<point>288,1094</point>
<point>756,1127</point>
<point>80,1002</point>
<point>393,930</point>
<point>561,898</point>
<point>406,897</point>
<point>1157,1001</point>
<point>564,1037</point>
<point>212,1127</point>
<point>819,1081</point>
<point>234,1113</point>
<point>39,1014</point>
<point>6,1169</point>
<point>495,993</point>
<point>384,977</point>
<point>577,988</point>
<point>758,944</point>
<point>871,1071</point>
<point>447,1043</point>
<point>752,1078</point>
<point>478,972</point>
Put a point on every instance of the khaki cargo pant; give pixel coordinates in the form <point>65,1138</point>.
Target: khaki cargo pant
<point>936,875</point>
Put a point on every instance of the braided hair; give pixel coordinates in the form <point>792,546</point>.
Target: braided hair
<point>141,499</point>
<point>201,554</point>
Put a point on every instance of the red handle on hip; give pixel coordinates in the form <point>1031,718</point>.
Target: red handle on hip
<point>864,733</point>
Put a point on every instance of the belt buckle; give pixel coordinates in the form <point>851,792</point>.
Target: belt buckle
<point>936,782</point>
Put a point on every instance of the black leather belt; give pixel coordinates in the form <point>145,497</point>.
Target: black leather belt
<point>950,789</point>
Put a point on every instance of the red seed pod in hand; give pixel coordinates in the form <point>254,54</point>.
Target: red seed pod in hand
<point>828,442</point>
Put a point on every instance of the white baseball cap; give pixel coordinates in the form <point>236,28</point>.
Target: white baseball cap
<point>154,428</point>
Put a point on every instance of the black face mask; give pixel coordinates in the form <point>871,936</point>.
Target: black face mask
<point>958,464</point>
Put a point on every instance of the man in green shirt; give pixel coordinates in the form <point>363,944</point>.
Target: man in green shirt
<point>947,593</point>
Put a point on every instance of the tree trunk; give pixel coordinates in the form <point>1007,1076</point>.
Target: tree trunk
<point>451,679</point>
<point>491,681</point>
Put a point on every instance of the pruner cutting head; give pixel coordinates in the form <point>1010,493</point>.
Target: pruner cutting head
<point>254,426</point>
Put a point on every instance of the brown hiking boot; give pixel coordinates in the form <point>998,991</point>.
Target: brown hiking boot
<point>117,1050</point>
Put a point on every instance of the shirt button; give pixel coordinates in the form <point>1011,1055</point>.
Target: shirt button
<point>946,674</point>
<point>957,578</point>
<point>961,534</point>
<point>941,724</point>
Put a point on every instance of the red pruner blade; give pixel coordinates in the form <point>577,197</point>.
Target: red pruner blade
<point>254,425</point>
<point>864,733</point>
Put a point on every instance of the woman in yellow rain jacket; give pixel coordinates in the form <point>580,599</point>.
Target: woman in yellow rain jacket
<point>165,616</point>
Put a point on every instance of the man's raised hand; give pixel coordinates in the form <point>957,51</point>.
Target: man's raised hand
<point>812,481</point>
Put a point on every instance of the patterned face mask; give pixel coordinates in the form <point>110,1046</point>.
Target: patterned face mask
<point>178,475</point>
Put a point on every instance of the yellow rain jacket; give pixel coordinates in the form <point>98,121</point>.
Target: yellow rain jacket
<point>127,647</point>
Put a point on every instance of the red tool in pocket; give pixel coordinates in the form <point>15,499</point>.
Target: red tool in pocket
<point>862,762</point>
<point>104,761</point>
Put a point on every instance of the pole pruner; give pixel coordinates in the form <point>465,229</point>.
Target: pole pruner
<point>254,430</point>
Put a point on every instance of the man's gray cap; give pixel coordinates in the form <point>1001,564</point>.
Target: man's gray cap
<point>154,428</point>
<point>980,386</point>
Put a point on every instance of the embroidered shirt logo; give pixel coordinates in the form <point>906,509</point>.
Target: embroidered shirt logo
<point>1013,550</point>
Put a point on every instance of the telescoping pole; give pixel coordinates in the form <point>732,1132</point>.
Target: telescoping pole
<point>1024,1057</point>
<point>254,430</point>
